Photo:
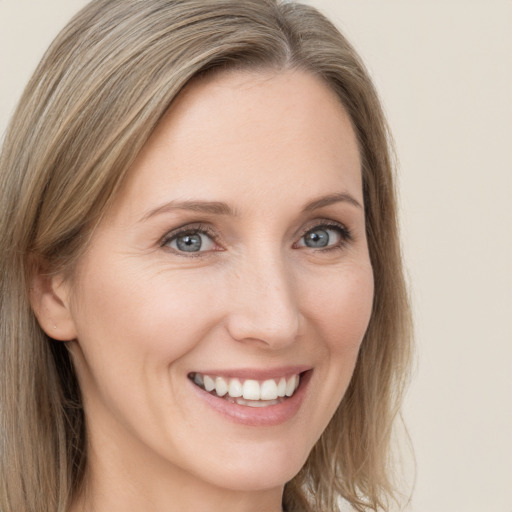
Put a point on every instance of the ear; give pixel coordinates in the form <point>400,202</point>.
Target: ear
<point>50,300</point>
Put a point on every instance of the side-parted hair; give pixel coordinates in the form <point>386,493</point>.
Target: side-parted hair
<point>95,99</point>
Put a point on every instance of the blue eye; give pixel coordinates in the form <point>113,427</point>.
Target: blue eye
<point>321,237</point>
<point>317,238</point>
<point>190,241</point>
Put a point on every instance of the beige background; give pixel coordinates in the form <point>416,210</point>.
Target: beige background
<point>444,71</point>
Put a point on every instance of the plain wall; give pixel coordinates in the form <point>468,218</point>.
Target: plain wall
<point>444,72</point>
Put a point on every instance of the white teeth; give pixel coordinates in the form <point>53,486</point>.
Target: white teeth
<point>250,392</point>
<point>209,383</point>
<point>221,386</point>
<point>235,388</point>
<point>290,386</point>
<point>281,387</point>
<point>269,390</point>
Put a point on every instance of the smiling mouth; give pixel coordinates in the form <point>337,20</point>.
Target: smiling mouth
<point>248,392</point>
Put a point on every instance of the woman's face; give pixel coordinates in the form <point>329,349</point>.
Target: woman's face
<point>235,256</point>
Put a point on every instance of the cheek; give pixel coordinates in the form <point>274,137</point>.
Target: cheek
<point>149,313</point>
<point>341,308</point>
<point>132,326</point>
<point>338,311</point>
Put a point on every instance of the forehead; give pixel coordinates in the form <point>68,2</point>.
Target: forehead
<point>238,129</point>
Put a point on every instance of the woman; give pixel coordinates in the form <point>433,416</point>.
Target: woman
<point>202,304</point>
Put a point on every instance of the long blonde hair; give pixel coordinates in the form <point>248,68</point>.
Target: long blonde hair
<point>92,103</point>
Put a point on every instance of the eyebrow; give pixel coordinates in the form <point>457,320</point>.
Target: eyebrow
<point>323,201</point>
<point>221,208</point>
<point>210,207</point>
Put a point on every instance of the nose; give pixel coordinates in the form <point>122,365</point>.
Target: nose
<point>264,306</point>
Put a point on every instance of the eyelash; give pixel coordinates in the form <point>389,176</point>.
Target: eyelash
<point>195,229</point>
<point>204,229</point>
<point>344,233</point>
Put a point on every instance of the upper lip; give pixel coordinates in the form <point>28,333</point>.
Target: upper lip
<point>256,373</point>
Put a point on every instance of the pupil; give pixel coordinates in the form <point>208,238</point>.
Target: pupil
<point>318,238</point>
<point>189,243</point>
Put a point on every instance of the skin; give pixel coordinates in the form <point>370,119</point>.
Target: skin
<point>141,315</point>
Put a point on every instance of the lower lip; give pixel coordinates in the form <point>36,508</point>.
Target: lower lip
<point>268,416</point>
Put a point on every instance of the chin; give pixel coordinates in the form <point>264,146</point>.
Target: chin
<point>259,468</point>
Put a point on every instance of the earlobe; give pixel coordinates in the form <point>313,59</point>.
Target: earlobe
<point>49,297</point>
